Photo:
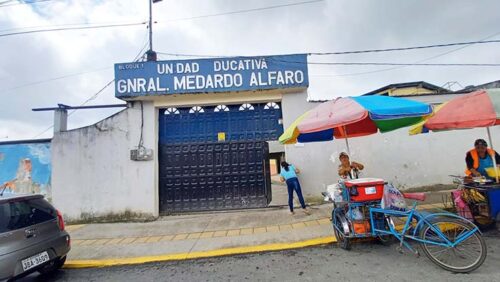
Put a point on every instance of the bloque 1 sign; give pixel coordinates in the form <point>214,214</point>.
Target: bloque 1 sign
<point>210,75</point>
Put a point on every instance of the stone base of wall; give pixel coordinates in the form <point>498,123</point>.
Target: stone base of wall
<point>126,216</point>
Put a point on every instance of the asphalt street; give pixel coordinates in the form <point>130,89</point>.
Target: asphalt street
<point>365,262</point>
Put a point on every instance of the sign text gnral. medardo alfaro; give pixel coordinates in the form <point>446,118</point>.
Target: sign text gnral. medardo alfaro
<point>210,75</point>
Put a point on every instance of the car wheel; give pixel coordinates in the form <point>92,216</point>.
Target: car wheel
<point>53,266</point>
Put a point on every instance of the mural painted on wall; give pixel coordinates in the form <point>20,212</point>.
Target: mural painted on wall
<point>25,168</point>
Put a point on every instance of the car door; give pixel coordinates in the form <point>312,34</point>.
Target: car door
<point>25,223</point>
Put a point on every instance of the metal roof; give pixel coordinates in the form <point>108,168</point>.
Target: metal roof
<point>422,84</point>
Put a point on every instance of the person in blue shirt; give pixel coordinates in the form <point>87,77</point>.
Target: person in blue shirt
<point>289,174</point>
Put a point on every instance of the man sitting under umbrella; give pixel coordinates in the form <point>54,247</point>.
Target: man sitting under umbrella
<point>348,169</point>
<point>480,158</point>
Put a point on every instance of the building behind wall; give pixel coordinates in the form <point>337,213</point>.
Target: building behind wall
<point>408,89</point>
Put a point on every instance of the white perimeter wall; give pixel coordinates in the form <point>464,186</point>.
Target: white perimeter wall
<point>92,174</point>
<point>406,161</point>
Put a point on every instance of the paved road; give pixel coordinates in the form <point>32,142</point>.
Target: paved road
<point>367,261</point>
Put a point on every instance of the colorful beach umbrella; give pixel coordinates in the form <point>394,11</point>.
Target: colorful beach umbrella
<point>348,117</point>
<point>477,109</point>
<point>419,127</point>
<point>292,134</point>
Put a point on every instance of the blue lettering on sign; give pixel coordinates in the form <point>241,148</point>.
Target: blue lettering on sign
<point>211,75</point>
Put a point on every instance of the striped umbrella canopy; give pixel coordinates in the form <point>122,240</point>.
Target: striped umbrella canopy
<point>348,117</point>
<point>292,134</point>
<point>419,127</point>
<point>477,109</point>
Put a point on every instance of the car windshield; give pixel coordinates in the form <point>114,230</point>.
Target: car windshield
<point>21,214</point>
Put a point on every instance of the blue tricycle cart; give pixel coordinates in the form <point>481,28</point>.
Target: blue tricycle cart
<point>448,240</point>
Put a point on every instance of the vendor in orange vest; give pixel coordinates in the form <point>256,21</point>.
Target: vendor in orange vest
<point>480,158</point>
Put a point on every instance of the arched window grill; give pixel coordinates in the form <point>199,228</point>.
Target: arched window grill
<point>221,108</point>
<point>171,111</point>
<point>246,107</point>
<point>196,109</point>
<point>271,105</point>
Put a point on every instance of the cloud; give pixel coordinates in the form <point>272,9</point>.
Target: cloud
<point>41,152</point>
<point>323,26</point>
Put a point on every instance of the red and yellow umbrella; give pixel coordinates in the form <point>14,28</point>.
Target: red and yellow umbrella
<point>477,109</point>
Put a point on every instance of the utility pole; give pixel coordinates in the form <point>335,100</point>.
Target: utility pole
<point>151,55</point>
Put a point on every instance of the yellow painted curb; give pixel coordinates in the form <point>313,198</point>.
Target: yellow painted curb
<point>212,253</point>
<point>196,255</point>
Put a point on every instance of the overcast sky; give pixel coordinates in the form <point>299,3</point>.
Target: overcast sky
<point>330,25</point>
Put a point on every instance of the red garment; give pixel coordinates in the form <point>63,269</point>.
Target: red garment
<point>462,208</point>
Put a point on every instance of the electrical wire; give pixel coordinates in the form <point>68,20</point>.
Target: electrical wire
<point>82,104</point>
<point>138,57</point>
<point>403,48</point>
<point>96,26</point>
<point>419,61</point>
<point>73,28</point>
<point>65,25</point>
<point>93,97</point>
<point>25,3</point>
<point>141,52</point>
<point>456,49</point>
<point>399,64</point>
<point>350,63</point>
<point>52,79</point>
<point>241,11</point>
<point>141,139</point>
<point>352,52</point>
<point>41,133</point>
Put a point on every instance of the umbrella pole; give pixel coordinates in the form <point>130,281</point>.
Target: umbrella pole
<point>494,156</point>
<point>346,141</point>
<point>347,145</point>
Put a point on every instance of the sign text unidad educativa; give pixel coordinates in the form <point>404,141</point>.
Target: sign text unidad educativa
<point>186,76</point>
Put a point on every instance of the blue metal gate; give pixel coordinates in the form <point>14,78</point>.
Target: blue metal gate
<point>258,122</point>
<point>216,157</point>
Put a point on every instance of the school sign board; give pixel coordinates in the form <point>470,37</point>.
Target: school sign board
<point>210,75</point>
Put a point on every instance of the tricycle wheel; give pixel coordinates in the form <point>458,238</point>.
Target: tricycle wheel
<point>386,240</point>
<point>339,221</point>
<point>467,255</point>
<point>484,223</point>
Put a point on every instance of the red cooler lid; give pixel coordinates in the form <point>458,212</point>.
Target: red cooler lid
<point>364,182</point>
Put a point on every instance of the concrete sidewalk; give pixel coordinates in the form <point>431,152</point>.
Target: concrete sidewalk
<point>188,234</point>
<point>202,235</point>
